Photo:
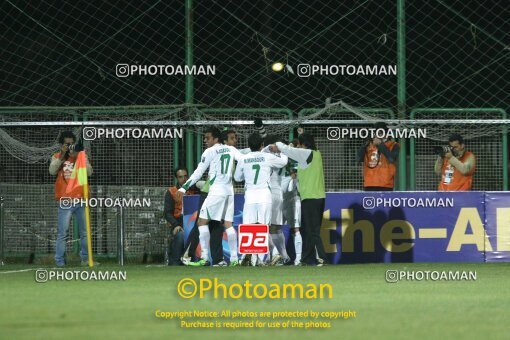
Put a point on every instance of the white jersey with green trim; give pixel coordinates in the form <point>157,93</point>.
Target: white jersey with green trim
<point>276,179</point>
<point>289,185</point>
<point>255,169</point>
<point>219,159</point>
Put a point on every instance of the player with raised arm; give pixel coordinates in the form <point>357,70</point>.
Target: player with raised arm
<point>312,192</point>
<point>228,137</point>
<point>219,204</point>
<point>277,212</point>
<point>255,169</point>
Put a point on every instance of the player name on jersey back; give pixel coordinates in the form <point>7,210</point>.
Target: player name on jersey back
<point>253,160</point>
<point>223,150</point>
<point>255,169</point>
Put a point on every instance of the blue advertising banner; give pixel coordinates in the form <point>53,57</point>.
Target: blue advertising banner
<point>404,227</point>
<point>497,221</point>
<point>392,226</point>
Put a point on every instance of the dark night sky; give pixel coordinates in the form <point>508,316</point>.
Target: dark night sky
<point>71,61</point>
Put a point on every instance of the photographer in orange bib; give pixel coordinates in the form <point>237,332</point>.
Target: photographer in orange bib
<point>379,157</point>
<point>455,165</point>
<point>61,166</point>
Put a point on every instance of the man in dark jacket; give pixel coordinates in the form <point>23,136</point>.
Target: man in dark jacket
<point>173,216</point>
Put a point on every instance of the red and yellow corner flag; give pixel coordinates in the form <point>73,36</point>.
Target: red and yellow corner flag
<point>78,181</point>
<point>77,187</point>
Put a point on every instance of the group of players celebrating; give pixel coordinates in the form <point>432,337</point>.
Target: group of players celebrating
<point>271,196</point>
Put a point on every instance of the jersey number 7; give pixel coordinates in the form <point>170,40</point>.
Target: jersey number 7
<point>256,167</point>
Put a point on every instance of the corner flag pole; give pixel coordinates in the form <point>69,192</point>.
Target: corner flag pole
<point>87,223</point>
<point>79,178</point>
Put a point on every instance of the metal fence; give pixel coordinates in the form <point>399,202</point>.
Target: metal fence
<point>143,168</point>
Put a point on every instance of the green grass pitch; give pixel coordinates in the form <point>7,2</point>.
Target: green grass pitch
<point>126,309</point>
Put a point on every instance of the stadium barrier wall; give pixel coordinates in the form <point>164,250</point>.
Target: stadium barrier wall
<point>404,226</point>
<point>497,224</point>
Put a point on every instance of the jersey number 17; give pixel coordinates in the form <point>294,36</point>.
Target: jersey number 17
<point>225,163</point>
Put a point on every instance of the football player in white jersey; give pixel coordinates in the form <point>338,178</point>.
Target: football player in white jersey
<point>277,212</point>
<point>292,206</point>
<point>255,169</point>
<point>219,204</point>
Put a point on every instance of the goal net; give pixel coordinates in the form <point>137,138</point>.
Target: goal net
<point>62,70</point>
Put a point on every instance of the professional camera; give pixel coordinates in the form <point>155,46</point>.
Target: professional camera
<point>71,147</point>
<point>74,147</point>
<point>442,150</point>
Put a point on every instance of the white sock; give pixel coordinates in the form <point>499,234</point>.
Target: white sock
<point>298,245</point>
<point>273,250</point>
<point>280,244</point>
<point>262,257</point>
<point>205,238</point>
<point>232,243</point>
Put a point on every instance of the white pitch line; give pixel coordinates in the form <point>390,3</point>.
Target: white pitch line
<point>17,271</point>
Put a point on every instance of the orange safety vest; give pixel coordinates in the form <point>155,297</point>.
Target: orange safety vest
<point>178,203</point>
<point>63,175</point>
<point>377,169</point>
<point>452,179</point>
